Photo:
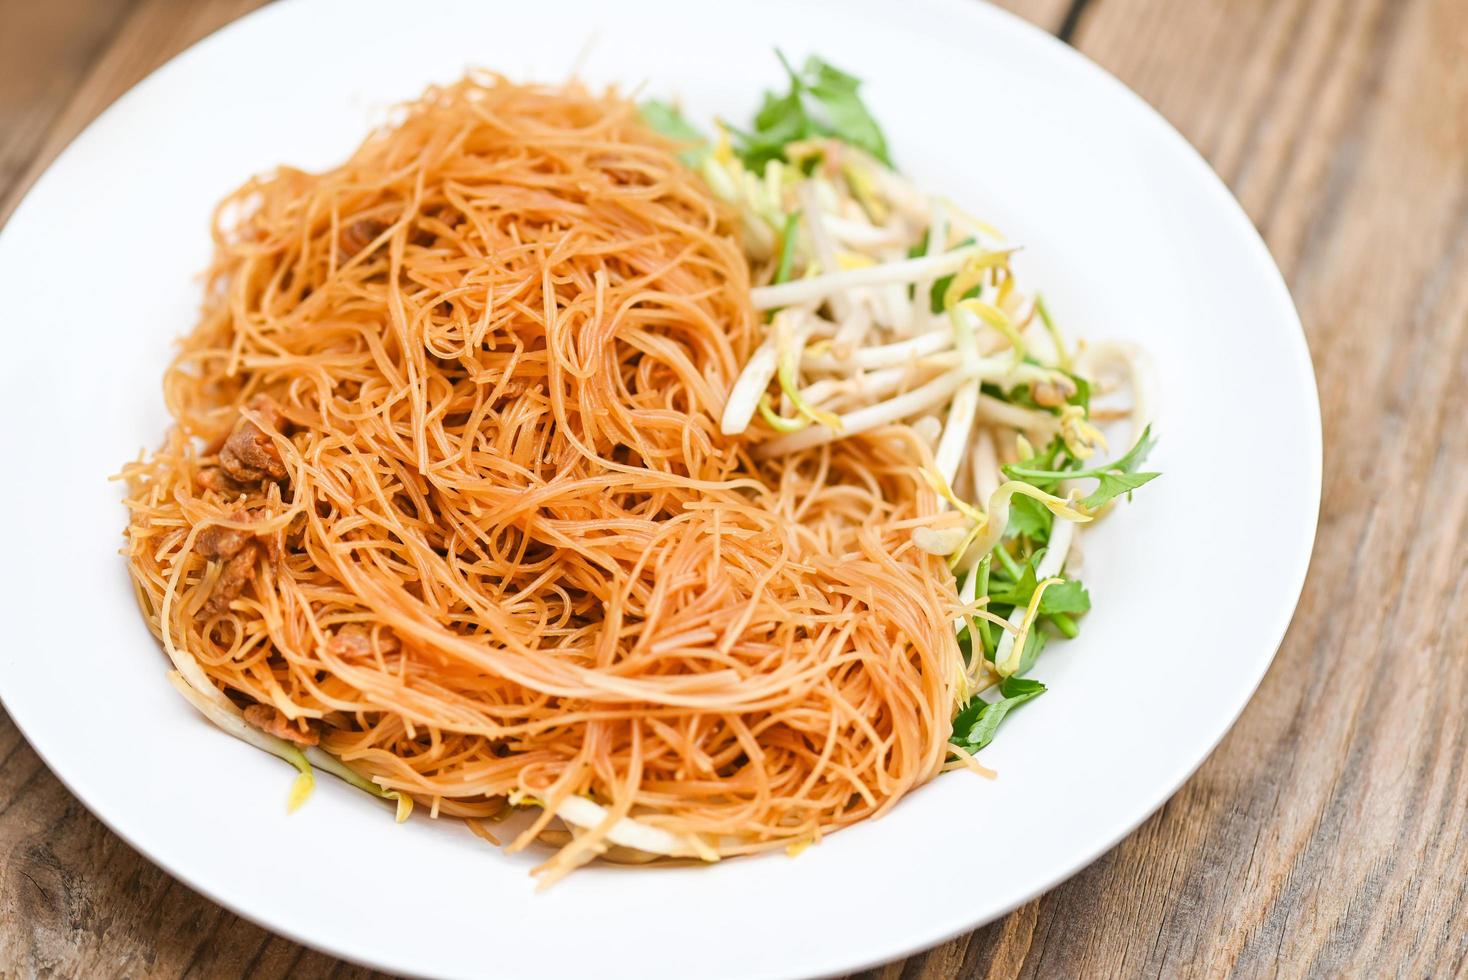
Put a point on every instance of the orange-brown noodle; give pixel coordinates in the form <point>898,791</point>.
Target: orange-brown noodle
<point>447,493</point>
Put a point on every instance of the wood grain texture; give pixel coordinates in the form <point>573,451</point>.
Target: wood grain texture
<point>1328,834</point>
<point>137,36</point>
<point>44,51</point>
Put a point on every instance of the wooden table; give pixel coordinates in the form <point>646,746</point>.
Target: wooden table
<point>1328,835</point>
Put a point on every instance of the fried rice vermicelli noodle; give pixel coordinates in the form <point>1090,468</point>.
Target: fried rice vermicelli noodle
<point>447,492</point>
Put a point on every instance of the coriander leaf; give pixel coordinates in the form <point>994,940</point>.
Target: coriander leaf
<point>1035,641</point>
<point>1069,596</point>
<point>975,725</point>
<point>1082,397</point>
<point>1065,596</point>
<point>1029,518</point>
<point>1113,485</point>
<point>1126,464</point>
<point>666,119</point>
<point>816,69</point>
<point>1113,479</point>
<point>1136,455</point>
<point>968,715</point>
<point>847,116</point>
<point>1017,592</point>
<point>1013,687</point>
<point>822,101</point>
<point>1048,464</point>
<point>781,119</point>
<point>757,149</point>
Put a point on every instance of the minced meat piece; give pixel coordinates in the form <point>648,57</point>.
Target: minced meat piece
<point>249,455</point>
<point>353,640</point>
<point>213,478</point>
<point>270,721</point>
<point>358,235</point>
<point>223,542</point>
<point>239,571</point>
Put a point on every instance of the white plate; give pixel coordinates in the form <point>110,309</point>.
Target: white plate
<point>1128,233</point>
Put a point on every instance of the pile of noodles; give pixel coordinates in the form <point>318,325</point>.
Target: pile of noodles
<point>447,494</point>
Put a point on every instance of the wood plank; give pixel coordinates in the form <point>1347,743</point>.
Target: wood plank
<point>1326,836</point>
<point>151,32</point>
<point>45,50</point>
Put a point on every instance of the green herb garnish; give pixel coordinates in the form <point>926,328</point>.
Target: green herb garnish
<point>823,101</point>
<point>1114,479</point>
<point>975,725</point>
<point>668,120</point>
